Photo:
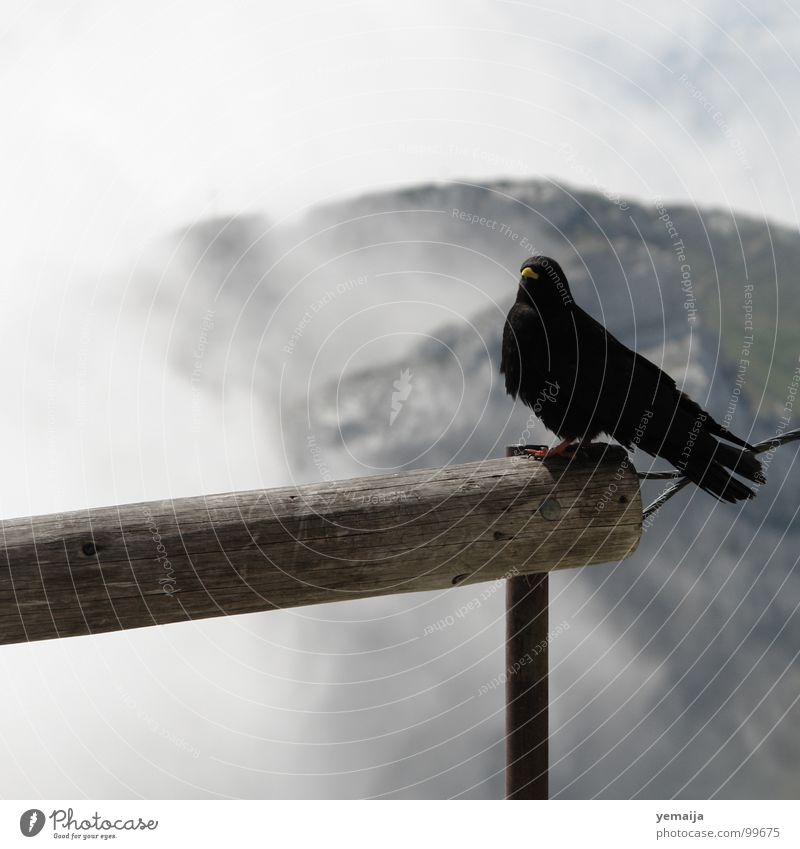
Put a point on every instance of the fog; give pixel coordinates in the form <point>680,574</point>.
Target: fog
<point>136,368</point>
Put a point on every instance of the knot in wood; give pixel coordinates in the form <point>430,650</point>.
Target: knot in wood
<point>550,509</point>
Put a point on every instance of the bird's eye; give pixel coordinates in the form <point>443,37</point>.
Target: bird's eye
<point>529,272</point>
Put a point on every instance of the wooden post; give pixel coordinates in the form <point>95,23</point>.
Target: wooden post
<point>115,568</point>
<point>528,647</point>
<point>527,669</point>
<point>527,699</point>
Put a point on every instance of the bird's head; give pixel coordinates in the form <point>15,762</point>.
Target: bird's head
<point>543,280</point>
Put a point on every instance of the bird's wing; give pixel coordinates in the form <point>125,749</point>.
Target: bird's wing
<point>615,386</point>
<point>614,361</point>
<point>524,346</point>
<point>632,384</point>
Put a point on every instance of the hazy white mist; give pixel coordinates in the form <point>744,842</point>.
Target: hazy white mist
<point>125,124</point>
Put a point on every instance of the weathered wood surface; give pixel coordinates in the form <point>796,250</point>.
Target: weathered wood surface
<point>115,568</point>
<point>527,687</point>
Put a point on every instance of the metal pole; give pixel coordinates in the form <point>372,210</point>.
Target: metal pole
<point>527,728</point>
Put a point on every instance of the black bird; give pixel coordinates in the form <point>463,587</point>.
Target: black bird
<point>581,381</point>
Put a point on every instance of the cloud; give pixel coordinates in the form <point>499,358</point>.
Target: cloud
<point>124,121</point>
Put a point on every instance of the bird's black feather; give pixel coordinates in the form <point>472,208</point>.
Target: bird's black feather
<point>582,381</point>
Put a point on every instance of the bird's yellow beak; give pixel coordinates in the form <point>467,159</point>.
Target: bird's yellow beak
<point>529,272</point>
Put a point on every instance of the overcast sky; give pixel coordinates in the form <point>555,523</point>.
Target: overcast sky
<point>124,119</point>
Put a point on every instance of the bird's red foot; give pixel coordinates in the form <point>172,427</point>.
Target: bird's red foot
<point>566,448</point>
<point>536,453</point>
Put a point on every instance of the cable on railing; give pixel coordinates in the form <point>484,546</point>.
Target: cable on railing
<point>672,474</point>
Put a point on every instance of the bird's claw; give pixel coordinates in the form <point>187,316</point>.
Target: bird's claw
<point>561,450</point>
<point>536,453</point>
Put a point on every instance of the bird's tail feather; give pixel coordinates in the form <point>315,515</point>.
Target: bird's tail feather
<point>713,470</point>
<point>724,433</point>
<point>741,461</point>
<point>716,480</point>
